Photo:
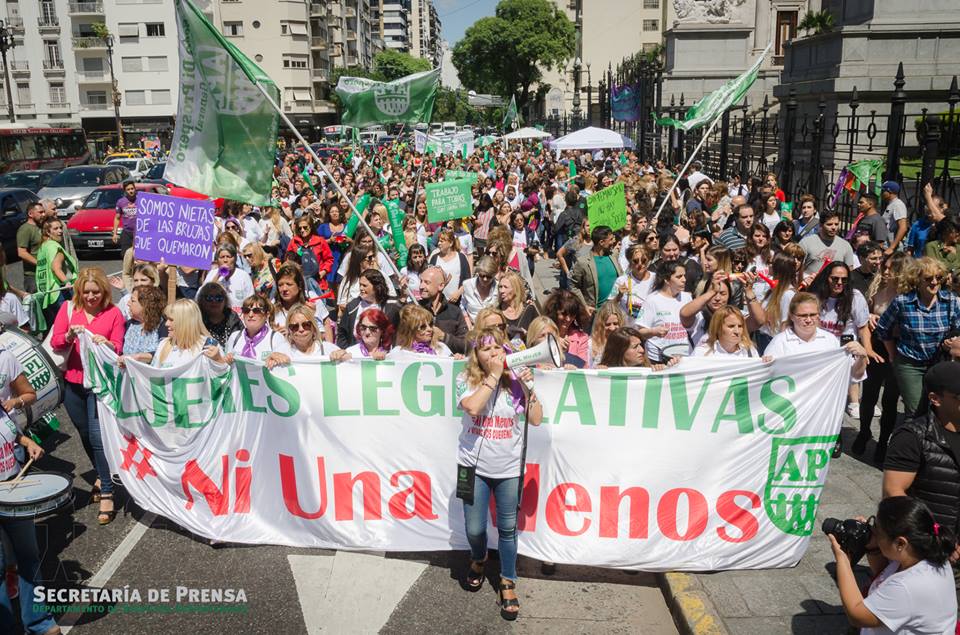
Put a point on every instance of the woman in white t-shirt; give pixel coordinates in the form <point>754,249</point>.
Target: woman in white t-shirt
<point>304,340</point>
<point>727,336</point>
<point>256,340</point>
<point>659,323</point>
<point>913,587</point>
<point>187,337</point>
<point>491,442</point>
<point>236,281</point>
<point>631,289</point>
<point>776,301</point>
<point>480,291</point>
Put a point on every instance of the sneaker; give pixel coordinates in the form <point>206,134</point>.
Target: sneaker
<point>877,411</point>
<point>860,444</point>
<point>13,582</point>
<point>853,409</point>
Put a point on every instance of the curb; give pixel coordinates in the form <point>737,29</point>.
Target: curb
<point>692,610</point>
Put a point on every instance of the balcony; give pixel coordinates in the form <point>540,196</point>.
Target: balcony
<point>93,77</point>
<point>52,68</point>
<point>49,24</point>
<point>321,75</point>
<point>85,8</point>
<point>19,69</point>
<point>351,35</point>
<point>352,60</point>
<point>58,106</point>
<point>324,107</point>
<point>89,43</point>
<point>318,8</point>
<point>14,23</point>
<point>318,43</point>
<point>96,106</point>
<point>27,108</point>
<point>299,104</point>
<point>350,12</point>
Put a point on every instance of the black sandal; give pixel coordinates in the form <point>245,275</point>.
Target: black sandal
<point>507,603</point>
<point>475,574</point>
<point>106,517</point>
<point>95,494</point>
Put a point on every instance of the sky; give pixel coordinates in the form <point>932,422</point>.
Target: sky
<point>456,16</point>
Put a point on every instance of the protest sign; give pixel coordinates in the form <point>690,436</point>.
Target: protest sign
<point>177,230</point>
<point>608,207</point>
<point>448,200</point>
<point>718,464</point>
<point>458,175</point>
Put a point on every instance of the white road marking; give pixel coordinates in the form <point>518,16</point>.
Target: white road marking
<point>101,577</point>
<point>351,592</point>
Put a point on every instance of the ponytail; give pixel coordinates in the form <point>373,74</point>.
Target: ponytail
<point>908,517</point>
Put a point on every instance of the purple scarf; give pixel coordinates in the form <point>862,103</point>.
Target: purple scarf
<point>423,347</point>
<point>250,343</point>
<point>364,350</point>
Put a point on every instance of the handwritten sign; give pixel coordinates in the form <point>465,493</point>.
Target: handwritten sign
<point>608,207</point>
<point>177,230</point>
<point>449,200</point>
<point>457,175</point>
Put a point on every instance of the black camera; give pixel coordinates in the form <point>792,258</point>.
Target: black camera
<point>853,536</point>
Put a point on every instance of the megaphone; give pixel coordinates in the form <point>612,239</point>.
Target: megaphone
<point>546,352</point>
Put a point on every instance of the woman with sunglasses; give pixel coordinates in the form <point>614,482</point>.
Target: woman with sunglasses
<point>234,280</point>
<point>374,335</point>
<point>631,289</point>
<point>305,238</point>
<point>260,272</point>
<point>362,258</point>
<point>304,340</point>
<point>219,320</point>
<point>915,325</point>
<point>479,291</point>
<point>416,335</point>
<point>256,340</point>
<point>374,293</point>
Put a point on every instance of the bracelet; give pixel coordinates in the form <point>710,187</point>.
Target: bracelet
<point>493,387</point>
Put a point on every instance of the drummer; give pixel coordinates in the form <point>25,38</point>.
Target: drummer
<point>15,394</point>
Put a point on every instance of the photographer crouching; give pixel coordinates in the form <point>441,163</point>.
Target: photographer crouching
<point>908,551</point>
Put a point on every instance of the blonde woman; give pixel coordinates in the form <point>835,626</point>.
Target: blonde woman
<point>187,337</point>
<point>518,311</point>
<point>416,334</point>
<point>260,273</point>
<point>537,333</point>
<point>489,397</point>
<point>144,274</point>
<point>272,227</point>
<point>608,318</point>
<point>305,340</point>
<point>727,336</point>
<point>453,262</point>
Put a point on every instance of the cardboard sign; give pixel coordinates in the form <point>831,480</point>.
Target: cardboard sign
<point>449,200</point>
<point>177,230</point>
<point>608,207</point>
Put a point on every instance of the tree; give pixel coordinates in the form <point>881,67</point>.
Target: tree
<point>390,65</point>
<point>817,21</point>
<point>507,53</point>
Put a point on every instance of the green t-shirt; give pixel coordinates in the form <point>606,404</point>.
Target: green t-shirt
<point>606,276</point>
<point>30,238</point>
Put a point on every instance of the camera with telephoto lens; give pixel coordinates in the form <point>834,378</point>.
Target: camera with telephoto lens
<point>853,536</point>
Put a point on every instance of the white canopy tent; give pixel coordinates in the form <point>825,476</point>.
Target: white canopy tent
<point>526,133</point>
<point>592,139</point>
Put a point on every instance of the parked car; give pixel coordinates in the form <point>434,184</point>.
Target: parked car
<point>70,187</point>
<point>137,166</point>
<point>155,174</point>
<point>32,180</point>
<point>13,213</point>
<point>92,226</point>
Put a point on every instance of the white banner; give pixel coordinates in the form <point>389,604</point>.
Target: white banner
<point>717,464</point>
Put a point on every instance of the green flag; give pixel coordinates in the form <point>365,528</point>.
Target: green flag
<point>713,105</point>
<point>511,115</point>
<point>307,181</point>
<point>573,168</point>
<point>405,100</point>
<point>224,141</point>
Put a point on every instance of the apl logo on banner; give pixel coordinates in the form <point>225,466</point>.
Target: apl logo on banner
<point>392,98</point>
<point>795,482</point>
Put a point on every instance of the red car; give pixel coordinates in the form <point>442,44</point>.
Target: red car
<point>92,226</point>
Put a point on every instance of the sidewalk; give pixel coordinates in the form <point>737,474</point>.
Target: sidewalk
<point>800,600</point>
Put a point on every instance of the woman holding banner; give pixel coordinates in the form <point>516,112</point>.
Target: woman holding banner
<point>305,340</point>
<point>374,335</point>
<point>416,334</point>
<point>489,457</point>
<point>187,337</point>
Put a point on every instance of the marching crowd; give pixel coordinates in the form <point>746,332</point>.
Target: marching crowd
<point>701,267</point>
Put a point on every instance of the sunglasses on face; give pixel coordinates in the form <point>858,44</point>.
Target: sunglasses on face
<point>212,298</point>
<point>425,327</point>
<point>838,280</point>
<point>637,261</point>
<point>369,328</point>
<point>256,310</point>
<point>484,276</point>
<point>295,327</point>
<point>248,255</point>
<point>933,278</point>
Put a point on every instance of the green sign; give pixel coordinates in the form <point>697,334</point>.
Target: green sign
<point>449,200</point>
<point>456,175</point>
<point>608,207</point>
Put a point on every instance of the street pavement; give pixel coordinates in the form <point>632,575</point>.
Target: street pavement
<point>295,591</point>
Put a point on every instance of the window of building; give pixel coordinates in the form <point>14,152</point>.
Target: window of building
<point>159,97</point>
<point>23,94</point>
<point>128,29</point>
<point>786,31</point>
<point>233,29</point>
<point>131,64</point>
<point>48,12</point>
<point>52,52</point>
<point>651,4</point>
<point>157,63</point>
<point>155,29</point>
<point>295,61</point>
<point>651,25</point>
<point>58,94</point>
<point>293,28</point>
<point>135,97</point>
<point>97,97</point>
<point>92,64</point>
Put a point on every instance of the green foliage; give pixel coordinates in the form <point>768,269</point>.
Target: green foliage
<point>100,30</point>
<point>452,105</point>
<point>507,53</point>
<point>390,65</point>
<point>817,21</point>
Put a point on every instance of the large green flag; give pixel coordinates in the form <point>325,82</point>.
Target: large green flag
<point>713,105</point>
<point>224,141</point>
<point>511,115</point>
<point>405,100</point>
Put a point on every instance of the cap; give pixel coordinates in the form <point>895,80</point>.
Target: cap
<point>942,377</point>
<point>890,186</point>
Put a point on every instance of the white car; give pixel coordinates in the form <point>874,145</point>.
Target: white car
<point>138,167</point>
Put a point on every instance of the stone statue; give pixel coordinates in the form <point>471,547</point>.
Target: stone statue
<point>710,11</point>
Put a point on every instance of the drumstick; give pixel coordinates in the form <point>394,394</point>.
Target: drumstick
<point>19,478</point>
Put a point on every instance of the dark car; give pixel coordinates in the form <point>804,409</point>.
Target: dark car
<point>155,175</point>
<point>32,180</point>
<point>91,228</point>
<point>72,185</point>
<point>13,213</point>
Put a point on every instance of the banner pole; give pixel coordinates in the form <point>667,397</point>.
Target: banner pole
<point>336,185</point>
<point>693,154</point>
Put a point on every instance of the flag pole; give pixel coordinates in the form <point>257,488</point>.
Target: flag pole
<point>683,170</point>
<point>336,185</point>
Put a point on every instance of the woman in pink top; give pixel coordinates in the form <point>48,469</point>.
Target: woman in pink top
<point>572,320</point>
<point>91,309</point>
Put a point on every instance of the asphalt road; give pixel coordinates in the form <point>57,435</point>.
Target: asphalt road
<point>301,590</point>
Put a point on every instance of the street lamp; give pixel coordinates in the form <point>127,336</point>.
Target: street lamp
<point>589,96</point>
<point>576,92</point>
<point>116,92</point>
<point>6,43</point>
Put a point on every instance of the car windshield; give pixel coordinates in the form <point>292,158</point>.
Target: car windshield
<point>80,177</point>
<point>28,180</point>
<point>130,164</point>
<point>103,199</point>
<point>156,172</point>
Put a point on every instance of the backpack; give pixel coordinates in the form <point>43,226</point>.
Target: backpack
<point>308,262</point>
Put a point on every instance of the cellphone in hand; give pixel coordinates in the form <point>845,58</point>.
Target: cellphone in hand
<point>845,339</point>
<point>210,341</point>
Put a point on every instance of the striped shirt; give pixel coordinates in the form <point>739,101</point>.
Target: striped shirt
<point>481,227</point>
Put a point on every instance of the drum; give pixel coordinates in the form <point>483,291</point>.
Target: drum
<point>38,493</point>
<point>40,370</point>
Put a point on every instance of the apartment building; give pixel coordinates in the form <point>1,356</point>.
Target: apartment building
<point>394,24</point>
<point>59,67</point>
<point>424,29</point>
